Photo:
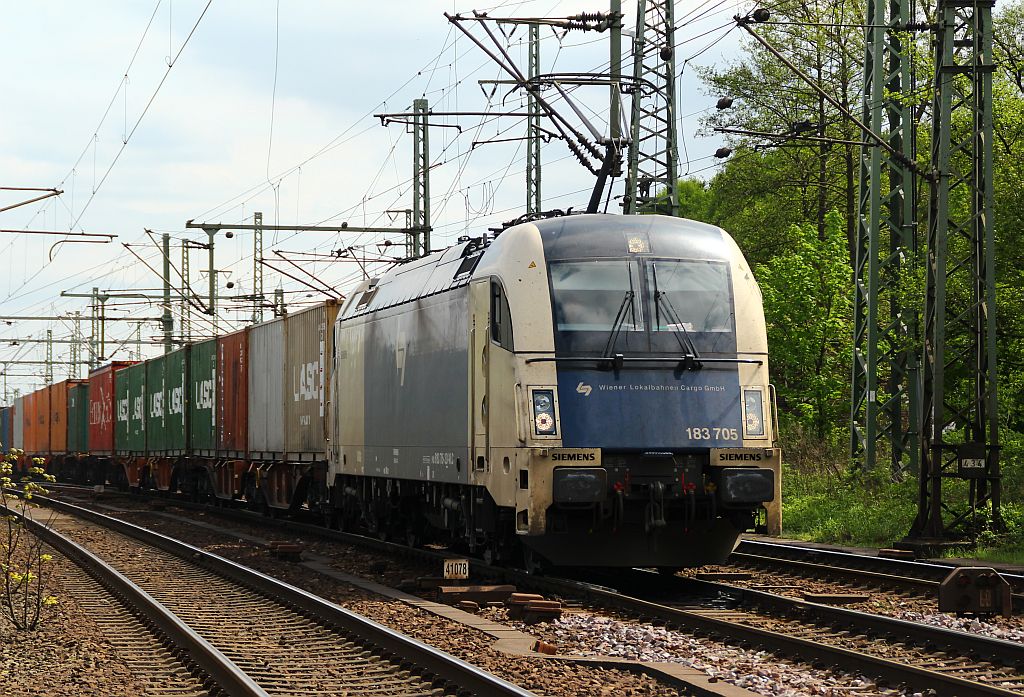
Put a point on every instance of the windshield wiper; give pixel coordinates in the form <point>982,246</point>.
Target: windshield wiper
<point>620,316</point>
<point>620,319</point>
<point>691,357</point>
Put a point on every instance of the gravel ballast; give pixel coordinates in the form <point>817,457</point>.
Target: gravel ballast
<point>68,654</point>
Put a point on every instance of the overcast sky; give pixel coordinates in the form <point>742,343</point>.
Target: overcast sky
<point>264,106</point>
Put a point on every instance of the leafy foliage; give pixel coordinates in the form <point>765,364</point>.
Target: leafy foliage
<point>790,201</point>
<point>808,310</point>
<point>25,596</point>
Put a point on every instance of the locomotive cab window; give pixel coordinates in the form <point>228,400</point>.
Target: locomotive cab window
<point>598,295</point>
<point>501,319</point>
<point>642,305</point>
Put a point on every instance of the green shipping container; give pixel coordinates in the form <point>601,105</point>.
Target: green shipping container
<point>175,383</point>
<point>122,408</point>
<point>78,418</point>
<point>130,391</point>
<point>202,397</point>
<point>156,433</point>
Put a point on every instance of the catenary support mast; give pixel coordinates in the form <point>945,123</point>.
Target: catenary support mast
<point>885,395</point>
<point>653,152</point>
<point>961,425</point>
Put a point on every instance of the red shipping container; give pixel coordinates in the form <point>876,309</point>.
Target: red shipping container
<point>101,407</point>
<point>233,394</point>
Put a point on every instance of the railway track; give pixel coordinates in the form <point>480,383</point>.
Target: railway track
<point>160,664</point>
<point>917,656</point>
<point>252,634</point>
<point>920,577</point>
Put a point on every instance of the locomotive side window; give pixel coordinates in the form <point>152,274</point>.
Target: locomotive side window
<point>501,318</point>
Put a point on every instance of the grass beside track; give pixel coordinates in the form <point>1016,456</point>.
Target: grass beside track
<point>833,505</point>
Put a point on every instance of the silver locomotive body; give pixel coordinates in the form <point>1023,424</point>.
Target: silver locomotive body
<point>586,390</point>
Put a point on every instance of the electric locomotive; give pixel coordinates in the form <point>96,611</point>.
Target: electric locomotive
<point>581,390</point>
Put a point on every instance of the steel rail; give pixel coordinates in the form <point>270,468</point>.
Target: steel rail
<point>906,571</point>
<point>229,678</point>
<point>400,648</point>
<point>805,649</point>
<point>809,650</point>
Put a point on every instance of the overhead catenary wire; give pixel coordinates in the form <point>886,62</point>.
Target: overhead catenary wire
<point>463,165</point>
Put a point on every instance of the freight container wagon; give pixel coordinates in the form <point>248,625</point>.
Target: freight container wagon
<point>103,408</point>
<point>176,435</point>
<point>230,472</point>
<point>233,395</point>
<point>130,397</point>
<point>37,435</point>
<point>165,434</point>
<point>78,417</point>
<point>266,390</point>
<point>5,428</point>
<point>309,340</point>
<point>28,423</point>
<point>58,415</point>
<point>18,424</point>
<point>202,398</point>
<point>152,407</point>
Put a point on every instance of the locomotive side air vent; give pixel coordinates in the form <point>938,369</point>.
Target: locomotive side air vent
<point>367,294</point>
<point>468,264</point>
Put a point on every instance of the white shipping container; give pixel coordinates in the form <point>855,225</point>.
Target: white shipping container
<point>18,424</point>
<point>266,389</point>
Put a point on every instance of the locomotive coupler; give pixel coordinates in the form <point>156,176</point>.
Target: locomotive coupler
<point>654,513</point>
<point>618,508</point>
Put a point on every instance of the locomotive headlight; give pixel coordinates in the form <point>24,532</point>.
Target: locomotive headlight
<point>753,413</point>
<point>544,412</point>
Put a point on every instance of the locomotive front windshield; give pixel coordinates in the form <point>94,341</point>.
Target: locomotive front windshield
<point>642,305</point>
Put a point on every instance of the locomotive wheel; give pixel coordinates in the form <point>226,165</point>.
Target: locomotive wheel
<point>329,517</point>
<point>533,563</point>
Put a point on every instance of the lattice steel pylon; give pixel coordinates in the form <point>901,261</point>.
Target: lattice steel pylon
<point>419,235</point>
<point>960,419</point>
<point>653,150</point>
<point>74,369</point>
<point>186,308</point>
<point>885,396</point>
<point>257,267</point>
<point>533,196</point>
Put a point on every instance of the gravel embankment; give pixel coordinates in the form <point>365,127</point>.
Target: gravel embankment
<point>67,655</point>
<point>586,634</point>
<point>914,607</point>
<point>539,675</point>
<point>580,634</point>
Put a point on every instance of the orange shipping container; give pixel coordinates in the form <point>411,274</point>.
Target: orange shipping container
<point>58,413</point>
<point>43,420</point>
<point>37,424</point>
<point>28,424</point>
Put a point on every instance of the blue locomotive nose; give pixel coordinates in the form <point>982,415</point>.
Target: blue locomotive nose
<point>647,409</point>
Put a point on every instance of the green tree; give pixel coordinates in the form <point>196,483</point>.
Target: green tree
<point>808,308</point>
<point>815,164</point>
